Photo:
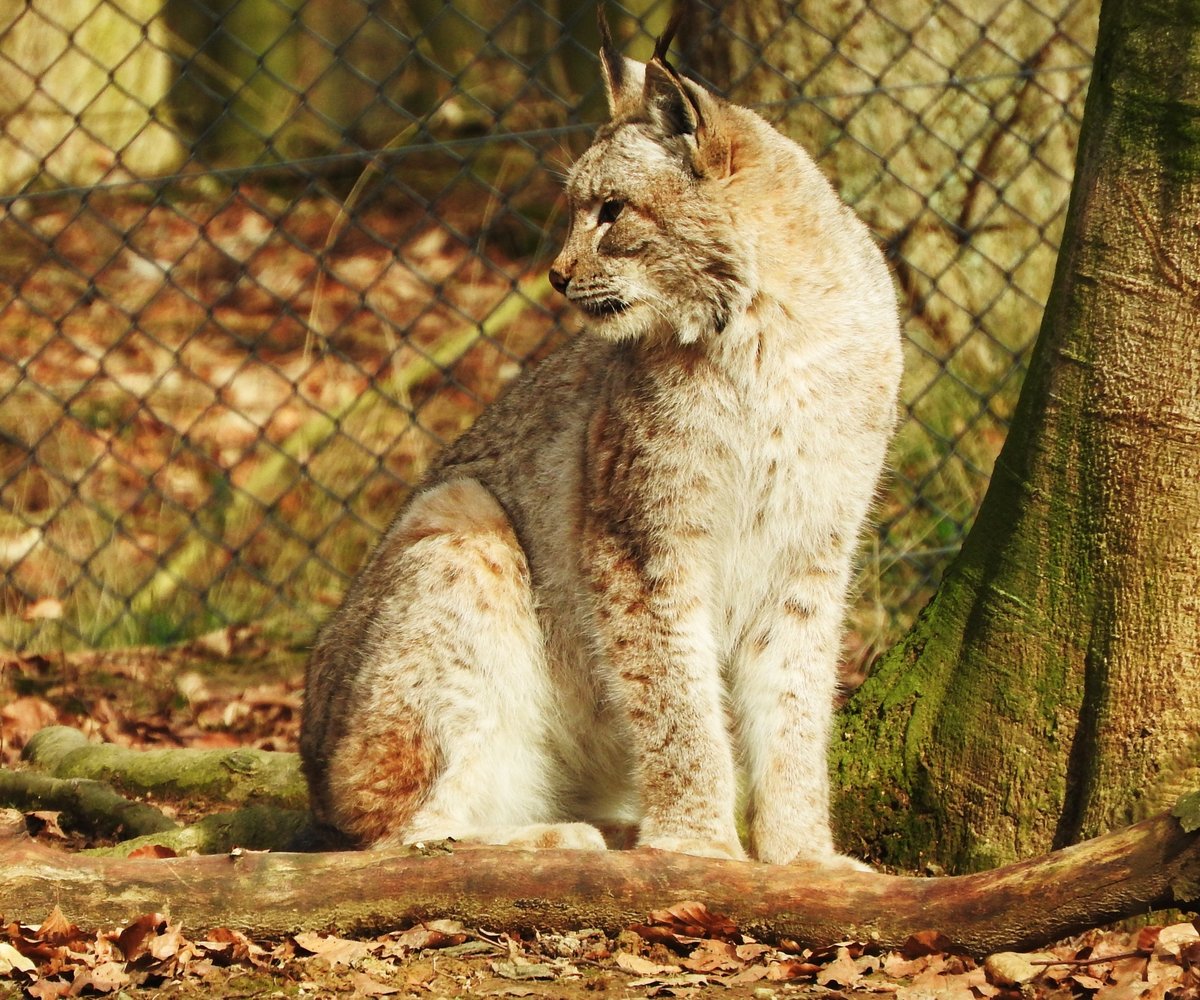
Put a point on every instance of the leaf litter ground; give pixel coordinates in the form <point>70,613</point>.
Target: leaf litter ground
<point>233,688</point>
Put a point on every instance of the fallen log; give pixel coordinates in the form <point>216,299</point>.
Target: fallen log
<point>1152,865</point>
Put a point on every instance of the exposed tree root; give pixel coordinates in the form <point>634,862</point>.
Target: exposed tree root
<point>252,828</point>
<point>235,776</point>
<point>91,805</point>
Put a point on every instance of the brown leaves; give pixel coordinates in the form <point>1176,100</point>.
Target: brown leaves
<point>686,945</point>
<point>442,957</point>
<point>929,942</point>
<point>683,924</point>
<point>1156,963</point>
<point>57,959</point>
<point>20,718</point>
<point>174,696</point>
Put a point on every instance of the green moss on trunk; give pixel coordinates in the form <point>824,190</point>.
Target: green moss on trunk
<point>1049,691</point>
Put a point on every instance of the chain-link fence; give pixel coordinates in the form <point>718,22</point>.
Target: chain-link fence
<point>259,259</point>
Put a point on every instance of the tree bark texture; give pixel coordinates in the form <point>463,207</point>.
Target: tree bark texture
<point>1051,690</point>
<point>1152,865</point>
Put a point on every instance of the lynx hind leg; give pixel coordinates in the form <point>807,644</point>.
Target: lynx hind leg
<point>451,726</point>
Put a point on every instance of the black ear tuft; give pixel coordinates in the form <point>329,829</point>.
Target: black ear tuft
<point>666,94</point>
<point>664,40</point>
<point>614,64</point>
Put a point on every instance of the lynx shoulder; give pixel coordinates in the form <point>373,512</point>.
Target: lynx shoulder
<point>628,579</point>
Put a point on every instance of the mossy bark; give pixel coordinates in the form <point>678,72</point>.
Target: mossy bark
<point>243,775</point>
<point>252,828</point>
<point>1051,690</point>
<point>90,805</point>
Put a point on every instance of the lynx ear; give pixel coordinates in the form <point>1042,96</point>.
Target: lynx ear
<point>623,78</point>
<point>666,98</point>
<point>678,108</point>
<point>681,109</point>
<point>668,102</point>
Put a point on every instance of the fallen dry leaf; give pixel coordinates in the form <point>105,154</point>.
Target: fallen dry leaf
<point>332,950</point>
<point>22,717</point>
<point>366,986</point>
<point>233,946</point>
<point>899,967</point>
<point>152,851</point>
<point>132,939</point>
<point>842,971</point>
<point>792,968</point>
<point>169,943</point>
<point>1009,968</point>
<point>643,966</point>
<point>44,823</point>
<point>694,920</point>
<point>926,943</point>
<point>1086,982</point>
<point>432,934</point>
<point>750,974</point>
<point>49,989</point>
<point>711,955</point>
<point>752,951</point>
<point>105,977</point>
<point>943,986</point>
<point>12,960</point>
<point>57,929</point>
<point>1173,939</point>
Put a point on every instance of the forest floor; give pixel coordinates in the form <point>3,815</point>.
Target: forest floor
<point>233,688</point>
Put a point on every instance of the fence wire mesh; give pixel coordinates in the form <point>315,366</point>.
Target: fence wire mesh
<point>260,259</point>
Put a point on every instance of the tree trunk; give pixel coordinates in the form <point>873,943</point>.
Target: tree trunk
<point>1051,690</point>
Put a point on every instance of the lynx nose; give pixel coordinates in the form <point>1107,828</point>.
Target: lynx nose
<point>559,280</point>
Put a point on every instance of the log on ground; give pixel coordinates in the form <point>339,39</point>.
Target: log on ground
<point>1151,865</point>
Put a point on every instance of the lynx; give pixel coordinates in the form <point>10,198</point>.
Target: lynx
<point>625,584</point>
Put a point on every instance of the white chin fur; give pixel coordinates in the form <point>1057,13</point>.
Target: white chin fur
<point>630,324</point>
<point>639,321</point>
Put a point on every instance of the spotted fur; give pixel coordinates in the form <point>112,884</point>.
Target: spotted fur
<point>626,583</point>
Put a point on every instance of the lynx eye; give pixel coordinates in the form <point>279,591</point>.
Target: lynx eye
<point>609,211</point>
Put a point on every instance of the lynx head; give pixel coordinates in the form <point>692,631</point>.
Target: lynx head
<point>653,249</point>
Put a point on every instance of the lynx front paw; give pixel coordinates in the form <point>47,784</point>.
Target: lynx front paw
<point>697,846</point>
<point>833,862</point>
<point>572,836</point>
